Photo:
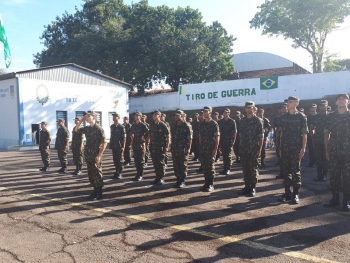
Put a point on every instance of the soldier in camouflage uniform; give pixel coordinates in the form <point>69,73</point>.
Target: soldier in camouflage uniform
<point>147,153</point>
<point>310,144</point>
<point>293,134</point>
<point>317,126</point>
<point>44,146</point>
<point>62,145</point>
<point>228,132</point>
<point>95,146</point>
<point>276,137</point>
<point>117,144</point>
<point>139,132</point>
<point>251,141</point>
<point>127,151</point>
<point>337,145</point>
<point>77,148</point>
<point>159,144</point>
<point>181,140</point>
<point>267,128</point>
<point>238,117</point>
<point>209,138</point>
<point>162,118</point>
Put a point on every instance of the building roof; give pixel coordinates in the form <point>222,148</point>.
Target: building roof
<point>33,73</point>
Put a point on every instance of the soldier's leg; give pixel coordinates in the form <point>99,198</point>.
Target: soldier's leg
<point>346,183</point>
<point>139,158</point>
<point>286,168</point>
<point>96,179</point>
<point>246,176</point>
<point>127,154</point>
<point>183,167</point>
<point>159,165</point>
<point>253,173</point>
<point>263,153</point>
<point>208,166</point>
<point>335,181</point>
<point>296,176</point>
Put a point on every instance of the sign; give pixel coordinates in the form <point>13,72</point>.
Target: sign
<point>268,83</point>
<point>221,94</point>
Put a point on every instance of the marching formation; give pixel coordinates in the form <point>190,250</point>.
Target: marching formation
<point>208,136</point>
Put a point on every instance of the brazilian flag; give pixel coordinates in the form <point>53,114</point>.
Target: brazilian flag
<point>268,83</point>
<point>181,90</point>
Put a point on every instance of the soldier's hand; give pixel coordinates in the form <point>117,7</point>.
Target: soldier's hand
<point>327,156</point>
<point>98,159</point>
<point>81,149</point>
<point>258,154</point>
<point>301,154</point>
<point>66,148</point>
<point>121,150</point>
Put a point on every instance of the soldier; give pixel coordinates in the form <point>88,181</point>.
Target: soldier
<point>62,145</point>
<point>317,126</point>
<point>336,138</point>
<point>139,133</point>
<point>181,140</point>
<point>127,150</point>
<point>95,146</point>
<point>44,146</point>
<point>77,148</point>
<point>228,132</point>
<point>159,144</point>
<point>267,128</point>
<point>237,141</point>
<point>162,118</point>
<point>293,138</point>
<point>251,141</point>
<point>310,144</point>
<point>195,141</point>
<point>276,137</point>
<point>117,144</point>
<point>147,153</point>
<point>209,138</point>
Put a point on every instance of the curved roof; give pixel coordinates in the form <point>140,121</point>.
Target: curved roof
<point>251,61</point>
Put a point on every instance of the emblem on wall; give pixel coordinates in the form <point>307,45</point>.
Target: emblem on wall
<point>42,94</point>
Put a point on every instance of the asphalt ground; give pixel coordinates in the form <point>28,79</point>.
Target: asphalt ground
<point>45,217</point>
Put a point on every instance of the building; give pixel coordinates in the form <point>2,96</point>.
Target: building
<point>57,92</point>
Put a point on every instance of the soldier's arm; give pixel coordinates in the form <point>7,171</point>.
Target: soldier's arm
<point>103,146</point>
<point>303,147</point>
<point>189,140</point>
<point>261,138</point>
<point>77,127</point>
<point>234,132</point>
<point>124,140</point>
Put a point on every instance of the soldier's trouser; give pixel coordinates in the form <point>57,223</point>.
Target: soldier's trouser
<point>208,166</point>
<point>291,169</point>
<point>95,174</point>
<point>180,163</point>
<point>226,151</point>
<point>278,153</point>
<point>158,160</point>
<point>139,157</point>
<point>236,147</point>
<point>62,156</point>
<point>77,156</point>
<point>339,170</point>
<point>118,160</point>
<point>320,157</point>
<point>250,167</point>
<point>263,150</point>
<point>311,150</point>
<point>147,153</point>
<point>127,153</point>
<point>45,157</point>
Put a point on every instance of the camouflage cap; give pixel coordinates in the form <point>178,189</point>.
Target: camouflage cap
<point>93,113</point>
<point>261,110</point>
<point>76,119</point>
<point>156,112</point>
<point>323,102</point>
<point>249,104</point>
<point>144,116</point>
<point>216,113</point>
<point>126,118</point>
<point>313,105</point>
<point>163,115</point>
<point>178,112</point>
<point>116,114</point>
<point>227,110</point>
<point>345,95</point>
<point>293,98</point>
<point>137,113</point>
<point>43,122</point>
<point>61,120</point>
<point>196,114</point>
<point>207,108</point>
<point>238,113</point>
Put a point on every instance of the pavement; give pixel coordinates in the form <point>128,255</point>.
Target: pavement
<point>45,217</point>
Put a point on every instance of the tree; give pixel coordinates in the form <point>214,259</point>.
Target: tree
<point>140,44</point>
<point>332,65</point>
<point>306,22</point>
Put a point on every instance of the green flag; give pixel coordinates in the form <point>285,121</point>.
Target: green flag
<point>3,39</point>
<point>268,83</point>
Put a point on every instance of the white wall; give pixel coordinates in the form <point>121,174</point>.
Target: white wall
<point>9,113</point>
<point>308,86</point>
<point>69,97</point>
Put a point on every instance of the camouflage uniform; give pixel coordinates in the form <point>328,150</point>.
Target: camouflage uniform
<point>266,126</point>
<point>159,133</point>
<point>310,143</point>
<point>318,124</point>
<point>207,132</point>
<point>127,150</point>
<point>78,155</point>
<point>338,125</point>
<point>45,137</point>
<point>140,132</point>
<point>95,136</point>
<point>195,143</point>
<point>61,140</point>
<point>250,132</point>
<point>227,132</point>
<point>116,143</point>
<point>180,135</point>
<point>292,127</point>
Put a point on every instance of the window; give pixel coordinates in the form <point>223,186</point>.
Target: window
<point>99,117</point>
<point>110,118</point>
<point>62,115</point>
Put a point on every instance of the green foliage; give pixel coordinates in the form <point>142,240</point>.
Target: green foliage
<point>140,44</point>
<point>306,22</point>
<point>332,65</point>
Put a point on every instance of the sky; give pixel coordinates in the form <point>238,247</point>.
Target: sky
<point>24,22</point>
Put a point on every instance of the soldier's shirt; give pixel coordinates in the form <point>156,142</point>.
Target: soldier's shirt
<point>140,132</point>
<point>77,138</point>
<point>45,136</point>
<point>338,125</point>
<point>228,129</point>
<point>208,131</point>
<point>117,136</point>
<point>180,135</point>
<point>127,131</point>
<point>159,133</point>
<point>293,126</point>
<point>318,123</point>
<point>95,136</point>
<point>61,137</point>
<point>250,132</point>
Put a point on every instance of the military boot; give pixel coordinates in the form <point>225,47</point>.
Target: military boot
<point>98,195</point>
<point>346,202</point>
<point>210,186</point>
<point>76,170</point>
<point>245,190</point>
<point>287,196</point>
<point>333,202</point>
<point>80,172</point>
<point>228,170</point>
<point>295,197</point>
<point>93,194</point>
<point>139,175</point>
